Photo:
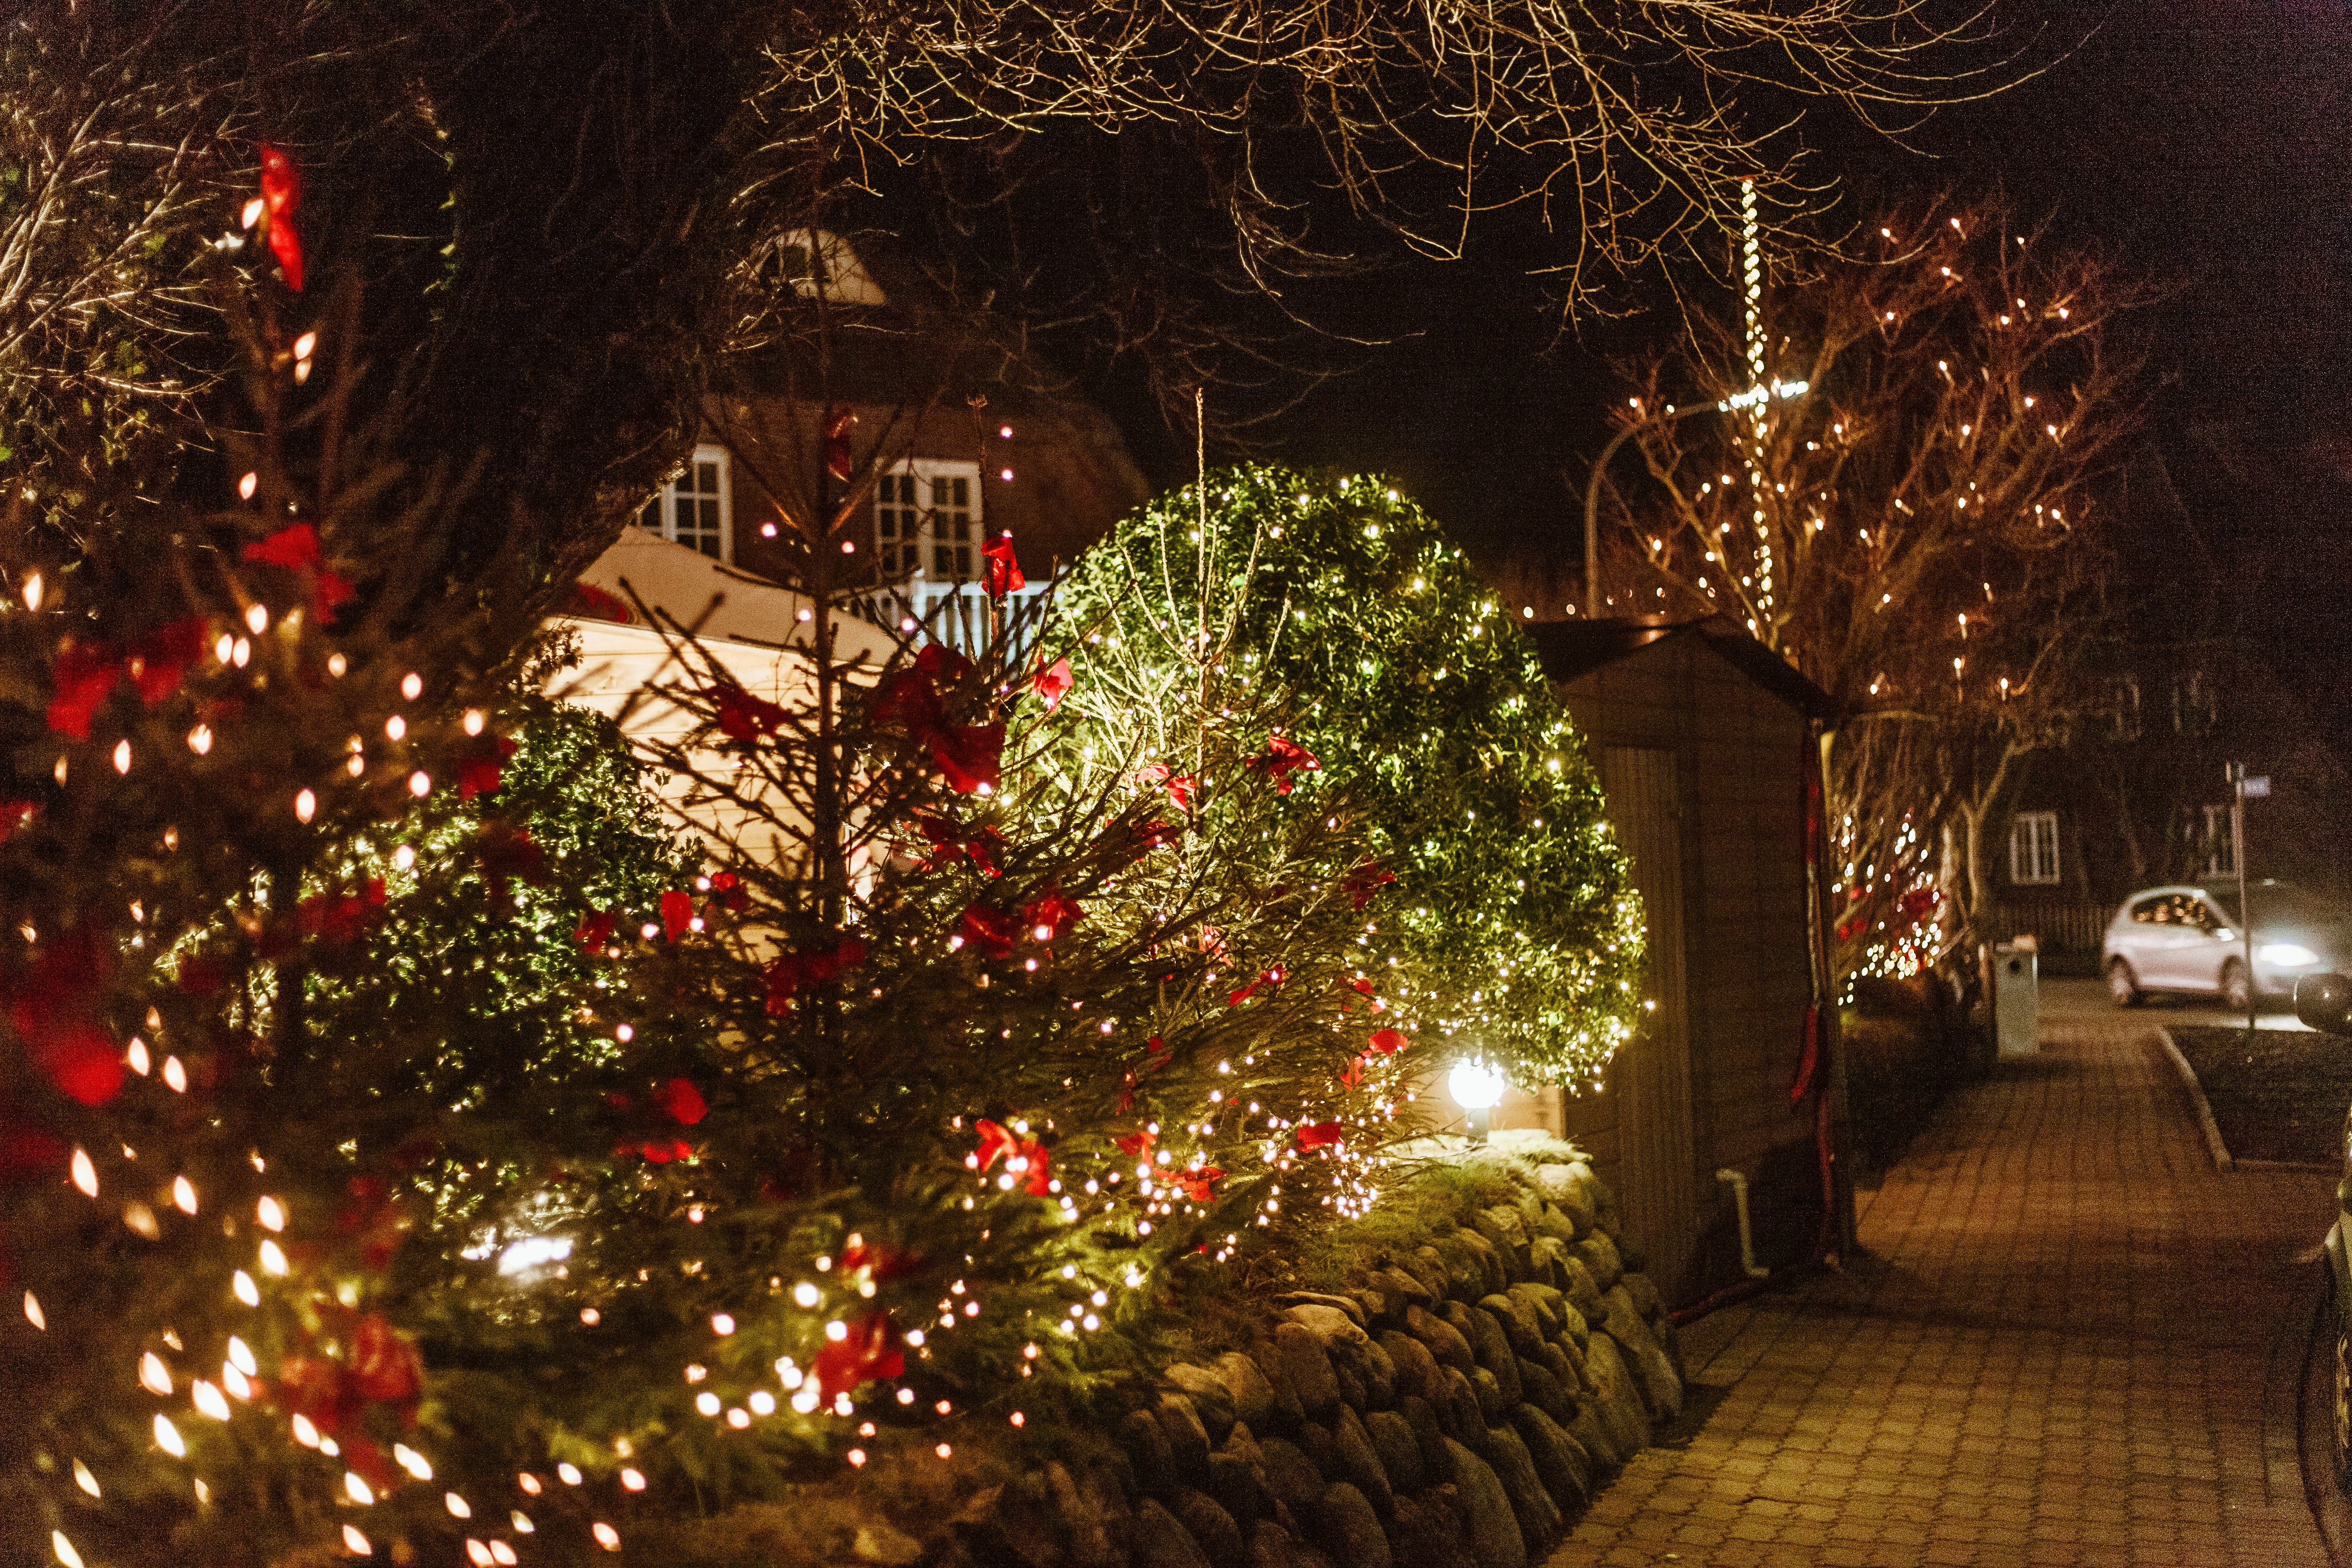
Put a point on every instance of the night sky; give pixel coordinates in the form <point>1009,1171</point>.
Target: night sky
<point>2208,144</point>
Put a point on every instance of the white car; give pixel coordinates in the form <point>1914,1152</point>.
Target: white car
<point>2188,940</point>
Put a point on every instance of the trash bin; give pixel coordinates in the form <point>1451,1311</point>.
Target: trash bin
<point>2016,1004</point>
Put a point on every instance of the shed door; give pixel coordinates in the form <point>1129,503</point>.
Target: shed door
<point>1651,1077</point>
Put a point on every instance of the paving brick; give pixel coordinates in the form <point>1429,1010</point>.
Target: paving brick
<point>2053,1348</point>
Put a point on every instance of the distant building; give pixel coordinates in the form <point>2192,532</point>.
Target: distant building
<point>962,440</point>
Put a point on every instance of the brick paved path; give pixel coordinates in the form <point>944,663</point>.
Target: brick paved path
<point>2069,1341</point>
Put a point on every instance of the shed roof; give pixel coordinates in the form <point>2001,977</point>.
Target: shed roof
<point>1570,649</point>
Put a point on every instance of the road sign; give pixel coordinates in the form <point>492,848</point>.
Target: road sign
<point>2258,786</point>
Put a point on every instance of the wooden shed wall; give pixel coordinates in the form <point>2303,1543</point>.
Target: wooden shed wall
<point>1738,754</point>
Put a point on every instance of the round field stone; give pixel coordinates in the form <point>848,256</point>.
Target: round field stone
<point>1306,1369</point>
<point>1392,1439</point>
<point>1290,1475</point>
<point>1349,1530</point>
<point>1253,1393</point>
<point>1209,1526</point>
<point>1212,1399</point>
<point>1162,1543</point>
<point>1538,1515</point>
<point>1495,1541</point>
<point>1416,1369</point>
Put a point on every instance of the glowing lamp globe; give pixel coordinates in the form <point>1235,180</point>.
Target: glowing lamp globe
<point>1477,1089</point>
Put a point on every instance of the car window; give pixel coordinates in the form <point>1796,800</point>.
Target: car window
<point>2151,912</point>
<point>2202,915</point>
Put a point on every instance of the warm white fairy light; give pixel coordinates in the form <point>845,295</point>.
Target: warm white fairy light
<point>168,1438</point>
<point>85,1174</point>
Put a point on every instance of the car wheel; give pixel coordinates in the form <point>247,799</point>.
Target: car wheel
<point>2236,990</point>
<point>2123,986</point>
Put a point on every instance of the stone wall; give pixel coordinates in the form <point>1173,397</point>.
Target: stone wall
<point>1453,1406</point>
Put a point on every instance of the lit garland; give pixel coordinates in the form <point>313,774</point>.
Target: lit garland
<point>1511,911</point>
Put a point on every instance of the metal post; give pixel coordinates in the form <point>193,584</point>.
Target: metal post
<point>2245,909</point>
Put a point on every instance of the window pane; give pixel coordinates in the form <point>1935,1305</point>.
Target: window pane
<point>939,491</point>
<point>706,478</point>
<point>963,492</point>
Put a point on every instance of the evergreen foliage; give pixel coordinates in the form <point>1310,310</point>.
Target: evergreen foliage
<point>1512,913</point>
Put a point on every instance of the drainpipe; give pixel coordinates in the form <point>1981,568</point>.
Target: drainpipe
<point>1754,1269</point>
<point>1817,1071</point>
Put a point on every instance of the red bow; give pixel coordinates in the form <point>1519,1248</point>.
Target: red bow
<point>1180,785</point>
<point>970,755</point>
<point>1004,569</point>
<point>684,1101</point>
<point>1139,1142</point>
<point>990,931</point>
<point>1199,1186</point>
<point>883,1263</point>
<point>870,1351</point>
<point>86,673</point>
<point>485,773</point>
<point>1027,1155</point>
<point>594,933</point>
<point>1320,1135</point>
<point>281,194</point>
<point>1053,683</point>
<point>1051,915</point>
<point>1387,1042</point>
<point>950,843</point>
<point>1271,978</point>
<point>837,442</point>
<point>744,717</point>
<point>1283,757</point>
<point>816,966</point>
<point>1365,880</point>
<point>55,1011</point>
<point>297,550</point>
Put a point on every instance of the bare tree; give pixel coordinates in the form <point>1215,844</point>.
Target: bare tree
<point>1907,509</point>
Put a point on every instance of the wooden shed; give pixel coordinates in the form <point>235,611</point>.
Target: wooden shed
<point>1705,744</point>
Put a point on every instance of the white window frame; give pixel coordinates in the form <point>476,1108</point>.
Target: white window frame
<point>2220,842</point>
<point>932,506</point>
<point>2034,848</point>
<point>659,515</point>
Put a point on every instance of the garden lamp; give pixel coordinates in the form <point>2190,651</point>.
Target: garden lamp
<point>1477,1088</point>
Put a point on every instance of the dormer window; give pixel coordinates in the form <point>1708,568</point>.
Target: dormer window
<point>694,509</point>
<point>819,264</point>
<point>927,520</point>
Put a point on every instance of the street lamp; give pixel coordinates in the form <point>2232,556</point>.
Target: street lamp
<point>1754,398</point>
<point>1477,1089</point>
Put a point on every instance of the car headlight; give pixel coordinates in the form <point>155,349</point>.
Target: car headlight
<point>2287,954</point>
